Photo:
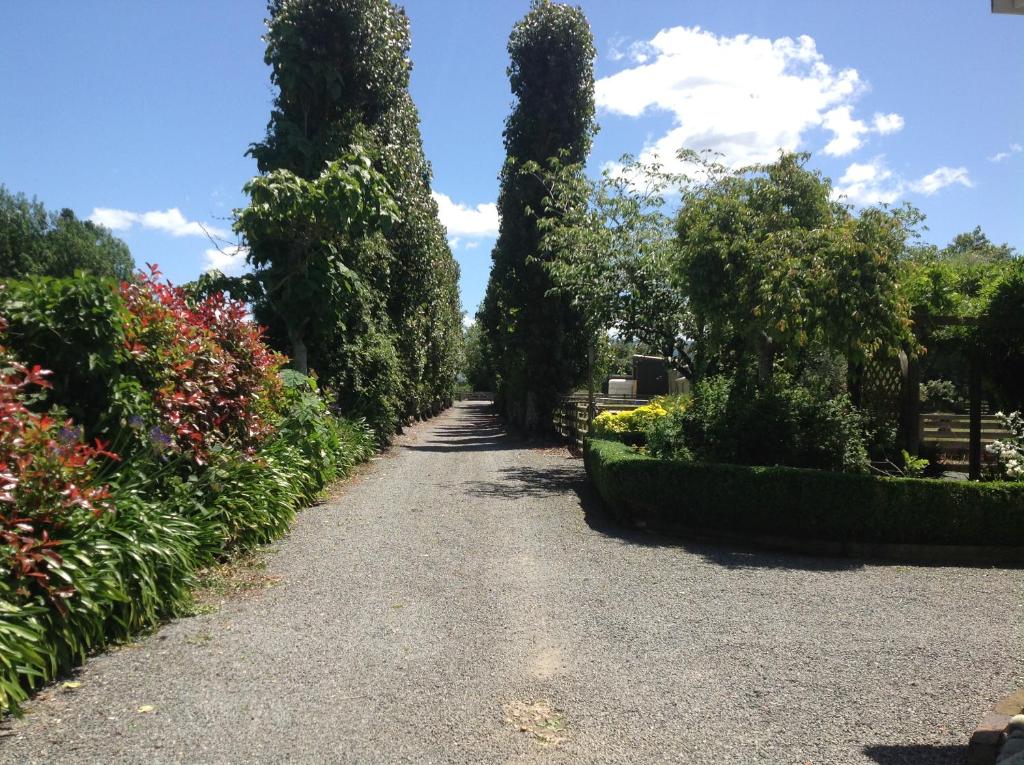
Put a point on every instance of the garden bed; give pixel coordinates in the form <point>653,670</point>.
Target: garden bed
<point>812,511</point>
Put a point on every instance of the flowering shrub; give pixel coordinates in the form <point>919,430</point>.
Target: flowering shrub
<point>212,378</point>
<point>638,420</point>
<point>47,484</point>
<point>1010,453</point>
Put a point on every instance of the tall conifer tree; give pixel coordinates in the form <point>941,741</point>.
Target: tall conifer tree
<point>342,72</point>
<point>537,339</point>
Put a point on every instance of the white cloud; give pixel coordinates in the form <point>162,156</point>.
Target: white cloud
<point>872,182</point>
<point>744,96</point>
<point>845,128</point>
<point>887,123</point>
<point>170,221</point>
<point>1014,148</point>
<point>471,245</point>
<point>228,260</point>
<point>869,183</point>
<point>462,220</point>
<point>468,321</point>
<point>115,220</point>
<point>941,178</point>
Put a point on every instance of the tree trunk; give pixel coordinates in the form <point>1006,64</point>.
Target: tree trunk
<point>765,362</point>
<point>300,354</point>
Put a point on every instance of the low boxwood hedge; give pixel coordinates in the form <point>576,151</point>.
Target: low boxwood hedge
<point>801,504</point>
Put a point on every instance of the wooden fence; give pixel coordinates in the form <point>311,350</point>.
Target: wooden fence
<point>949,435</point>
<point>570,417</point>
<point>475,395</point>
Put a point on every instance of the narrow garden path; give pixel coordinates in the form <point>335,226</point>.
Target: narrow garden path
<point>464,600</point>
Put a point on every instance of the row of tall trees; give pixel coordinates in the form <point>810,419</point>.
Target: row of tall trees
<point>353,272</point>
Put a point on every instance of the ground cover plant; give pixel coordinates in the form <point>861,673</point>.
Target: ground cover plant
<point>201,445</point>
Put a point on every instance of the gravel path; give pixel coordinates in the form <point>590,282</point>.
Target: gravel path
<point>465,586</point>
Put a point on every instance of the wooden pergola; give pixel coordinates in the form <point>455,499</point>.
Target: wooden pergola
<point>910,416</point>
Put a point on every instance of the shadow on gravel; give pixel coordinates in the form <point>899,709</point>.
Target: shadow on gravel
<point>521,482</point>
<point>917,754</point>
<point>733,557</point>
<point>480,431</point>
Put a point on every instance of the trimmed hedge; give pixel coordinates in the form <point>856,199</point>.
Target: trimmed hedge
<point>802,504</point>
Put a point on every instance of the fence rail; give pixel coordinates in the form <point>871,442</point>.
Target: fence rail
<point>475,395</point>
<point>950,434</point>
<point>570,417</point>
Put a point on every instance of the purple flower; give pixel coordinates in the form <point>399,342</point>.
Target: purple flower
<point>135,422</point>
<point>69,436</point>
<point>158,438</point>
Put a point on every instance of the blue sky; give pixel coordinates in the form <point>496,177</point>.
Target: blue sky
<point>139,113</point>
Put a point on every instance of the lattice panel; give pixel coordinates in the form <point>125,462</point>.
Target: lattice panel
<point>882,388</point>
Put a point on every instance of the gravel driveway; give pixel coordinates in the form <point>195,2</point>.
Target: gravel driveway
<point>464,600</point>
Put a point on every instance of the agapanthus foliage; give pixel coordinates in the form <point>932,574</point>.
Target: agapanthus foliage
<point>212,378</point>
<point>47,483</point>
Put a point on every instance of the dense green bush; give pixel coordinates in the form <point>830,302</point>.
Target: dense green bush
<point>740,500</point>
<point>790,424</point>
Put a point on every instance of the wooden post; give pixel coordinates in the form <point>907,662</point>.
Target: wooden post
<point>974,387</point>
<point>855,382</point>
<point>910,417</point>
<point>591,412</point>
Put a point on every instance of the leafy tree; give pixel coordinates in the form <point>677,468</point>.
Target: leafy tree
<point>537,336</point>
<point>974,246</point>
<point>293,227</point>
<point>34,242</point>
<point>609,247</point>
<point>342,72</point>
<point>770,261</point>
<point>477,359</point>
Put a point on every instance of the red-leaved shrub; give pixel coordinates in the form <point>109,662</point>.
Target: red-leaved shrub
<point>47,483</point>
<point>211,376</point>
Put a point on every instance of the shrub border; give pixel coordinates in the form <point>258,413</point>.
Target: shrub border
<point>826,514</point>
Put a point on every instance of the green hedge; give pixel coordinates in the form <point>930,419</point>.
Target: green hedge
<point>801,504</point>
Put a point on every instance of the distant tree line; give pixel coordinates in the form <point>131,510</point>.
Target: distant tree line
<point>35,241</point>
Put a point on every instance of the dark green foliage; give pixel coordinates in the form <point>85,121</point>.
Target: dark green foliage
<point>729,421</point>
<point>477,359</point>
<point>130,569</point>
<point>819,505</point>
<point>342,70</point>
<point>36,242</point>
<point>76,326</point>
<point>538,342</point>
<point>1000,337</point>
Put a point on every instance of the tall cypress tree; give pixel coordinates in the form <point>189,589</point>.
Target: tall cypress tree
<point>539,347</point>
<point>342,72</point>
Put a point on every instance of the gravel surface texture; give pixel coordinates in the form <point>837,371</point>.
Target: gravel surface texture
<point>465,600</point>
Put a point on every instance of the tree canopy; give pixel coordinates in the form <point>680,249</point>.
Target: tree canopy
<point>294,229</point>
<point>772,264</point>
<point>36,242</point>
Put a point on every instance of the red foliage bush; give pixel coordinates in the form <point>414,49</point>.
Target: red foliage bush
<point>212,377</point>
<point>47,483</point>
